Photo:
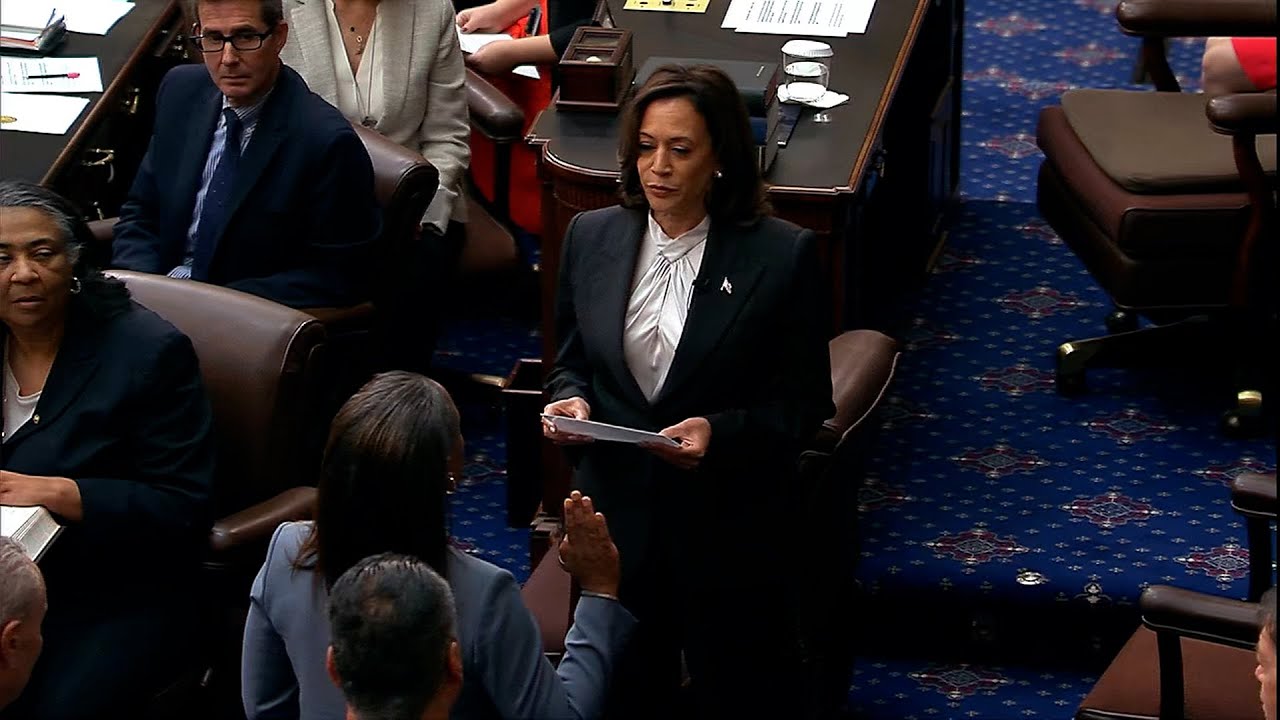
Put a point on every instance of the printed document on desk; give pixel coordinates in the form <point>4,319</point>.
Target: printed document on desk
<point>48,114</point>
<point>50,74</point>
<point>605,431</point>
<point>93,17</point>
<point>471,42</point>
<point>821,18</point>
<point>32,527</point>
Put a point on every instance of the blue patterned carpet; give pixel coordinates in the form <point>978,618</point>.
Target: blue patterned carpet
<point>1009,528</point>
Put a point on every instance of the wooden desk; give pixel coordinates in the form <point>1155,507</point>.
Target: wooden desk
<point>902,124</point>
<point>94,162</point>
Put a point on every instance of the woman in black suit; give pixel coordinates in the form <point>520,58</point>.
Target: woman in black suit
<point>107,425</point>
<point>689,312</point>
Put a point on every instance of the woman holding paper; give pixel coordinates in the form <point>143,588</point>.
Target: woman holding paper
<point>106,425</point>
<point>691,313</point>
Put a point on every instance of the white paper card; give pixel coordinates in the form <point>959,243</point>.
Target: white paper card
<point>93,17</point>
<point>48,114</point>
<point>605,431</point>
<point>25,74</point>
<point>471,42</point>
<point>821,18</point>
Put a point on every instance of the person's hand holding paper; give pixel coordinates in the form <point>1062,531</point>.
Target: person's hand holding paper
<point>693,436</point>
<point>575,408</point>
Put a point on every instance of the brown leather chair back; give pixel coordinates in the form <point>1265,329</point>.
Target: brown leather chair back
<point>259,361</point>
<point>404,183</point>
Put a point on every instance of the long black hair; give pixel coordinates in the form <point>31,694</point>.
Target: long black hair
<point>384,477</point>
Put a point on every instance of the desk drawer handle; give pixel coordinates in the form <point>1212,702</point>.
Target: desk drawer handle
<point>106,158</point>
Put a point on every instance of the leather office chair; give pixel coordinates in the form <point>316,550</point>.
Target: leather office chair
<point>1171,211</point>
<point>260,363</point>
<point>393,330</point>
<point>828,478</point>
<point>491,245</point>
<point>1194,657</point>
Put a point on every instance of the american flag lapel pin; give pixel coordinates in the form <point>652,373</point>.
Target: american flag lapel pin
<point>726,286</point>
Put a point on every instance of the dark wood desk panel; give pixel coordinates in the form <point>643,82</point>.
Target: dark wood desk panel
<point>142,34</point>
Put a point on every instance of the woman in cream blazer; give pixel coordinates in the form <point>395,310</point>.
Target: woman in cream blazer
<point>409,85</point>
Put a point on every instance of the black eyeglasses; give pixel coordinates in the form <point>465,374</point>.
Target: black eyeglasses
<point>243,41</point>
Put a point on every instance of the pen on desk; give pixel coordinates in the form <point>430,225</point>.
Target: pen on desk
<point>535,19</point>
<point>71,75</point>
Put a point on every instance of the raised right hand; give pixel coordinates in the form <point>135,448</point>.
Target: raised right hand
<point>586,548</point>
<point>574,407</point>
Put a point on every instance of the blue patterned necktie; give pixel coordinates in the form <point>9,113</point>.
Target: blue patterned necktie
<point>213,215</point>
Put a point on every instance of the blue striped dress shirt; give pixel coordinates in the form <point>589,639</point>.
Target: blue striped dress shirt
<point>249,119</point>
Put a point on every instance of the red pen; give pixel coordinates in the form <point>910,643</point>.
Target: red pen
<point>71,75</point>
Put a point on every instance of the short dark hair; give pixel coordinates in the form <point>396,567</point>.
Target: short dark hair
<point>739,195</point>
<point>101,295</point>
<point>1267,615</point>
<point>384,476</point>
<point>270,10</point>
<point>391,619</point>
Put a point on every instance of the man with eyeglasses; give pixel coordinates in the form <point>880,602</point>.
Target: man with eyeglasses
<point>251,180</point>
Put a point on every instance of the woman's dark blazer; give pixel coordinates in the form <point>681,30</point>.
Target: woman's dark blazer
<point>124,414</point>
<point>753,360</point>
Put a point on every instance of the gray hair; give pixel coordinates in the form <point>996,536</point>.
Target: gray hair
<point>1267,614</point>
<point>270,10</point>
<point>15,193</point>
<point>392,620</point>
<point>21,586</point>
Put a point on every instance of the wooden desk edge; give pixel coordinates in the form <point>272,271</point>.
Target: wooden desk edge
<point>109,95</point>
<point>890,87</point>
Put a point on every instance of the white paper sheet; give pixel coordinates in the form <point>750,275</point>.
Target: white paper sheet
<point>48,114</point>
<point>93,17</point>
<point>471,42</point>
<point>606,432</point>
<point>821,18</point>
<point>19,74</point>
<point>31,14</point>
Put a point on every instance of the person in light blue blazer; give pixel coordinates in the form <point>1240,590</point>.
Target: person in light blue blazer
<point>382,486</point>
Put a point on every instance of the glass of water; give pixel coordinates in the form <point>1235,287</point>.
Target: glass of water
<point>806,69</point>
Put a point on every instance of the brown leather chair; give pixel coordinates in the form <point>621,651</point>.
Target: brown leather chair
<point>261,363</point>
<point>1194,657</point>
<point>830,472</point>
<point>392,330</point>
<point>1170,211</point>
<point>490,246</point>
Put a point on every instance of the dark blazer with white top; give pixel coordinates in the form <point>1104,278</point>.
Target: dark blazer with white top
<point>752,359</point>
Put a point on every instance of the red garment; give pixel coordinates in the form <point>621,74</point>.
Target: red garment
<point>1257,58</point>
<point>532,96</point>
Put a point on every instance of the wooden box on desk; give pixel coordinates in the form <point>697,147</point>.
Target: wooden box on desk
<point>596,70</point>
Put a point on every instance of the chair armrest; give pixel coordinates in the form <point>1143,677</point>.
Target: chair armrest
<point>340,320</point>
<point>103,230</point>
<point>1254,495</point>
<point>1196,18</point>
<point>256,523</point>
<point>492,112</point>
<point>1251,113</point>
<point>1203,617</point>
<point>862,366</point>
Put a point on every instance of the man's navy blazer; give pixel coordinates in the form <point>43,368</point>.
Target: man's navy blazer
<point>303,212</point>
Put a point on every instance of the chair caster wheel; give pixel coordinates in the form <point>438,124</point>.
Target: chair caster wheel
<point>1121,321</point>
<point>1071,384</point>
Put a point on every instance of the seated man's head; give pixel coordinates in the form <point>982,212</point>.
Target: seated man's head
<point>393,646</point>
<point>1266,671</point>
<point>240,41</point>
<point>22,608</point>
